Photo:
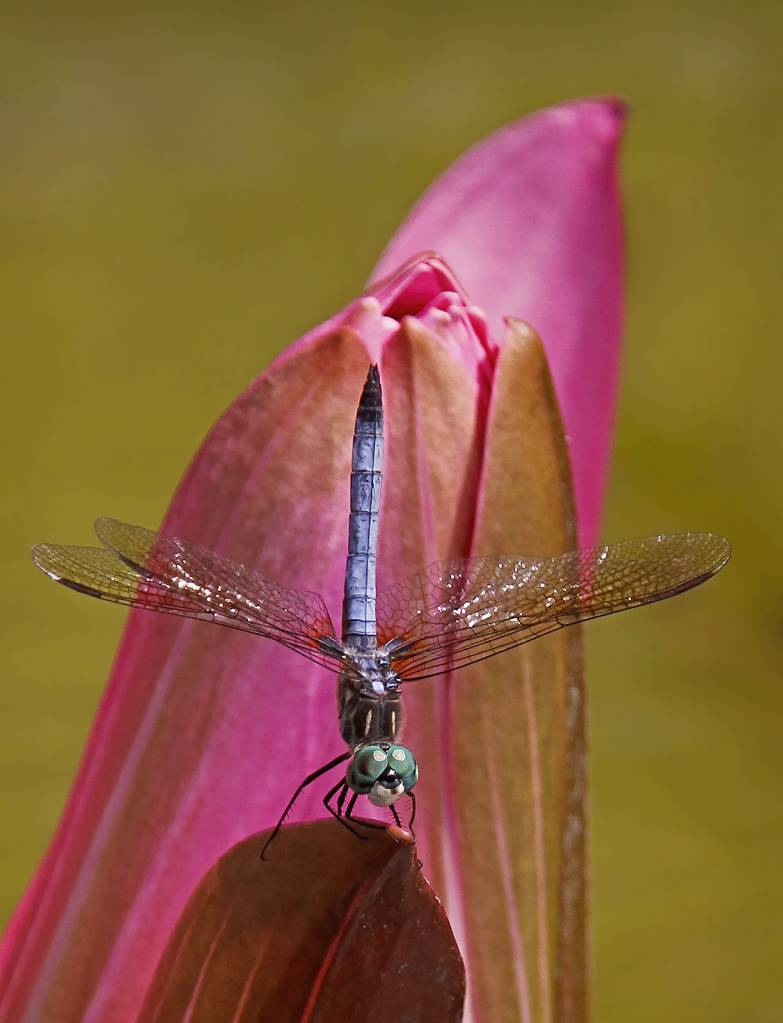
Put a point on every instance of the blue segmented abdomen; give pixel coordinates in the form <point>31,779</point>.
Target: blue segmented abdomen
<point>359,628</point>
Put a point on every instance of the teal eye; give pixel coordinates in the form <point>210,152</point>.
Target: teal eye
<point>402,762</point>
<point>367,766</point>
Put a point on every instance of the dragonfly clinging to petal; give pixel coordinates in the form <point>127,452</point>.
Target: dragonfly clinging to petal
<point>448,615</point>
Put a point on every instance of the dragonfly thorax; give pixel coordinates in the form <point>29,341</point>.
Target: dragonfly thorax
<point>368,699</point>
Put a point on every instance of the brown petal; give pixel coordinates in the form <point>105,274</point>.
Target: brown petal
<point>328,929</point>
<point>519,743</point>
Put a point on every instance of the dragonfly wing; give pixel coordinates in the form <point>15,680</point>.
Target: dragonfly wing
<point>141,568</point>
<point>455,613</point>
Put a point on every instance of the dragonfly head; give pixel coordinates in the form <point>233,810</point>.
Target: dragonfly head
<point>383,773</point>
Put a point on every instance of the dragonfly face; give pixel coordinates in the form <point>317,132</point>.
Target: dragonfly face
<point>384,773</point>
<point>448,615</point>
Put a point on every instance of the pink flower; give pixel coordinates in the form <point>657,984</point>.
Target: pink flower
<point>203,733</point>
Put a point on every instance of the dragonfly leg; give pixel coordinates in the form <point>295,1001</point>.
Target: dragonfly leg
<point>411,819</point>
<point>341,799</point>
<point>308,781</point>
<point>410,832</point>
<point>342,785</point>
<point>397,820</point>
<point>365,824</point>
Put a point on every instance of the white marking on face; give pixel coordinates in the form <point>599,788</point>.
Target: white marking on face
<point>378,755</point>
<point>380,795</point>
<point>398,754</point>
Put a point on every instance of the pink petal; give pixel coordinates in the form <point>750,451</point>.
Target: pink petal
<point>530,221</point>
<point>203,733</point>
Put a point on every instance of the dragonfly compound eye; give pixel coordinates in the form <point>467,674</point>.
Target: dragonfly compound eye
<point>398,778</point>
<point>403,763</point>
<point>366,767</point>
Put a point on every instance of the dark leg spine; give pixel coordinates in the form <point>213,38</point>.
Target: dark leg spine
<point>308,781</point>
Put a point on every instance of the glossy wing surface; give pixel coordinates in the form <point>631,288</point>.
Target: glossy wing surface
<point>141,568</point>
<point>458,612</point>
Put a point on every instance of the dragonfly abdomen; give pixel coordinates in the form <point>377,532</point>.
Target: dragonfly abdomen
<point>359,627</point>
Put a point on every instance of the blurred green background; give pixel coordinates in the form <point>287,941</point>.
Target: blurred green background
<point>186,188</point>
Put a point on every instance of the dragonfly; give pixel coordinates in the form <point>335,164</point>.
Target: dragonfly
<point>448,615</point>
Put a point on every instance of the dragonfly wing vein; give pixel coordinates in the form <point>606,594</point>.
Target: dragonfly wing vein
<point>456,613</point>
<point>141,568</point>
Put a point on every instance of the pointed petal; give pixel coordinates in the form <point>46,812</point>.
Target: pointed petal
<point>518,732</point>
<point>530,220</point>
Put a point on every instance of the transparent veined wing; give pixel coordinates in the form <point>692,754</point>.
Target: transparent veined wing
<point>458,612</point>
<point>141,568</point>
